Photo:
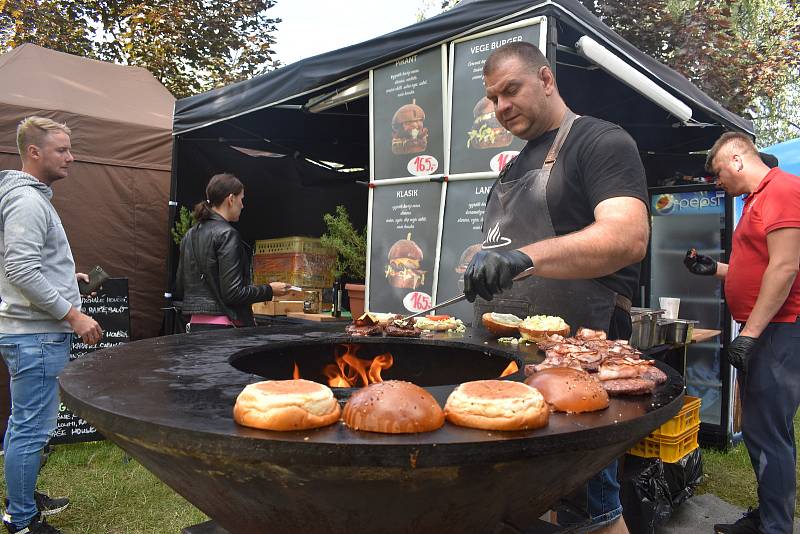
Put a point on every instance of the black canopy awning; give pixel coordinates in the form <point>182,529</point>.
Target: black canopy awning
<point>295,83</point>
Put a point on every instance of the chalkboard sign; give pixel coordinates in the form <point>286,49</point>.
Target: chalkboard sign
<point>403,236</point>
<point>408,117</point>
<point>110,309</point>
<point>465,205</point>
<point>477,141</point>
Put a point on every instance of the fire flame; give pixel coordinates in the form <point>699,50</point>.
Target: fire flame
<point>350,371</point>
<point>510,370</point>
<point>296,373</point>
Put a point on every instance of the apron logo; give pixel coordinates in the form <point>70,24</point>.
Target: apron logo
<point>494,239</point>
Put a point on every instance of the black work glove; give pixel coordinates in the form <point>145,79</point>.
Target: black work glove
<point>739,351</point>
<point>699,264</point>
<point>490,272</point>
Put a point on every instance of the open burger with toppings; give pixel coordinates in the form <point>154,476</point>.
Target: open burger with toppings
<point>403,270</point>
<point>487,132</point>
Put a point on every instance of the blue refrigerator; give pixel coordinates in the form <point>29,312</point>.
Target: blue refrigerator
<point>701,217</point>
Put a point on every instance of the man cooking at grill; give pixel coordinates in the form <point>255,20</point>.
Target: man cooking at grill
<point>570,215</point>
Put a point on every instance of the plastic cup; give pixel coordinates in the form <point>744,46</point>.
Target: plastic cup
<point>670,305</point>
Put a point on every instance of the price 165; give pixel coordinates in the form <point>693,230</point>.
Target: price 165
<point>422,165</point>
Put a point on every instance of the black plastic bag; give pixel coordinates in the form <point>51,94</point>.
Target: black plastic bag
<point>645,494</point>
<point>651,490</point>
<point>684,476</point>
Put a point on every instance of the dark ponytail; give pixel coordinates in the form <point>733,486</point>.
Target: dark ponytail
<point>217,190</point>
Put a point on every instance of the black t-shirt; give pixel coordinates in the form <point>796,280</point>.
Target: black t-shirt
<point>599,161</point>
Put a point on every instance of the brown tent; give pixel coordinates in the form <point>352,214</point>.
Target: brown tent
<point>114,204</point>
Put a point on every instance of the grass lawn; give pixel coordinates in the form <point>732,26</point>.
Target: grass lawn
<point>113,495</point>
<point>110,494</point>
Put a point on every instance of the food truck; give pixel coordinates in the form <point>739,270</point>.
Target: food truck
<point>397,129</point>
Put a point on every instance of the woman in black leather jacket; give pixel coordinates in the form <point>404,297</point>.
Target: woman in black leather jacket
<point>214,276</point>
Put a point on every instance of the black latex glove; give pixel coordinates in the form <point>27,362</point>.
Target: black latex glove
<point>739,351</point>
<point>490,272</point>
<point>699,264</point>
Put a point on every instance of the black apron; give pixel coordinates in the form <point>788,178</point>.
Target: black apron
<point>517,215</point>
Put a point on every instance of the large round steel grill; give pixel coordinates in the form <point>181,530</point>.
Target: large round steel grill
<point>168,402</point>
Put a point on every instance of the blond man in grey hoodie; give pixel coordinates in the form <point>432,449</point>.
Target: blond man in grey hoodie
<point>40,310</point>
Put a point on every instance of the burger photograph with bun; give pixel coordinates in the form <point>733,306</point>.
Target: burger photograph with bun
<point>487,132</point>
<point>403,270</point>
<point>409,135</point>
<point>563,238</point>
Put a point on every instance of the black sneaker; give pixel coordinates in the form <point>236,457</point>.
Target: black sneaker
<point>747,524</point>
<point>38,525</point>
<point>47,505</point>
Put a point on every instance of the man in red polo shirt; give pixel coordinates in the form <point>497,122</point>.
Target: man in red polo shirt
<point>763,293</point>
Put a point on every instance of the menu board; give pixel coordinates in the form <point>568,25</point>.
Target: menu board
<point>408,117</point>
<point>403,238</point>
<point>465,205</point>
<point>478,143</point>
<point>109,307</point>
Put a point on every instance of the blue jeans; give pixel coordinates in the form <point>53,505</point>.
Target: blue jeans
<point>596,505</point>
<point>33,361</point>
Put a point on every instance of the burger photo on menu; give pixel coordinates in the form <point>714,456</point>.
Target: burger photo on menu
<point>466,257</point>
<point>409,135</point>
<point>486,130</point>
<point>403,270</point>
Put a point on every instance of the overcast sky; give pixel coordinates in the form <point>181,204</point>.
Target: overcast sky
<point>311,27</point>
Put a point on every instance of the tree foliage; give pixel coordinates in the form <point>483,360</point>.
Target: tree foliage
<point>743,53</point>
<point>189,45</point>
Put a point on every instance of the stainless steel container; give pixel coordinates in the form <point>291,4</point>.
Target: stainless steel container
<point>681,331</point>
<point>663,326</point>
<point>640,329</point>
<point>645,327</point>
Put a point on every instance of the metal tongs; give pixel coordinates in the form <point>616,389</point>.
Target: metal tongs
<point>524,274</point>
<point>453,300</point>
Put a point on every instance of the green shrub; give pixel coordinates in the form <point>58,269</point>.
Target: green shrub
<point>185,221</point>
<point>350,245</point>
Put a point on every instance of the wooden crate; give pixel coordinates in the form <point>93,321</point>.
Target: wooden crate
<point>278,307</point>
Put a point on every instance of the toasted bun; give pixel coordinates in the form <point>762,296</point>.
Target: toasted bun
<point>538,327</point>
<point>393,407</point>
<point>483,106</point>
<point>405,248</point>
<point>569,390</point>
<point>496,405</point>
<point>286,405</point>
<point>406,113</point>
<point>501,324</point>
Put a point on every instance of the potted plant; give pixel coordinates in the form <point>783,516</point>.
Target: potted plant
<point>350,245</point>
